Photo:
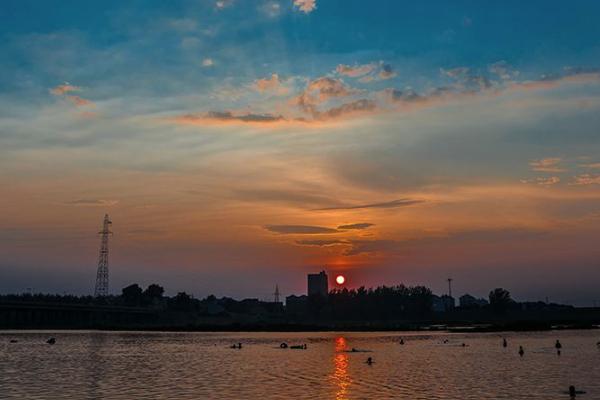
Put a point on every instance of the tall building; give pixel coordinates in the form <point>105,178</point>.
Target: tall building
<point>318,284</point>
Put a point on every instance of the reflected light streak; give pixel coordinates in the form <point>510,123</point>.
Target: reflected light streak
<point>340,374</point>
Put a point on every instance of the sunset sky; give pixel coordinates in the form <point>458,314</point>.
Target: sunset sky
<point>239,144</point>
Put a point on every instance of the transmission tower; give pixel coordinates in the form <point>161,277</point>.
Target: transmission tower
<point>102,273</point>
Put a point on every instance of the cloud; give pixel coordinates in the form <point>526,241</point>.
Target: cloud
<point>591,165</point>
<point>208,62</point>
<point>503,70</point>
<point>273,85</point>
<point>553,180</point>
<point>299,229</point>
<point>323,243</point>
<point>388,204</point>
<point>225,117</point>
<point>586,179</point>
<point>306,6</point>
<point>92,203</point>
<point>356,70</point>
<point>221,4</point>
<point>64,90</point>
<point>467,80</point>
<point>272,9</point>
<point>550,164</point>
<point>361,106</point>
<point>380,72</point>
<point>361,225</point>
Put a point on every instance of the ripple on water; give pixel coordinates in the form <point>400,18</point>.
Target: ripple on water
<point>131,365</point>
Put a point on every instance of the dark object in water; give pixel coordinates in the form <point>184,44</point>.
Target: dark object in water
<point>236,346</point>
<point>557,345</point>
<point>354,350</point>
<point>369,361</point>
<point>283,345</point>
<point>401,341</point>
<point>572,392</point>
<point>504,342</point>
<point>521,351</point>
<point>299,347</point>
<point>51,340</point>
<point>14,341</point>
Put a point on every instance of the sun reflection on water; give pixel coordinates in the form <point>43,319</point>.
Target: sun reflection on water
<point>340,374</point>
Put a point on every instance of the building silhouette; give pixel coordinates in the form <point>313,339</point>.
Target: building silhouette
<point>318,284</point>
<point>468,301</point>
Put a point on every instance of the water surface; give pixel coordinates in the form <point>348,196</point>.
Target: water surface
<point>140,365</point>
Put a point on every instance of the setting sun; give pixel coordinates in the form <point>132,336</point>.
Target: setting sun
<point>340,279</point>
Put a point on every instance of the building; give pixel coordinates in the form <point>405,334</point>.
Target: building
<point>296,305</point>
<point>468,301</point>
<point>318,284</point>
<point>443,303</point>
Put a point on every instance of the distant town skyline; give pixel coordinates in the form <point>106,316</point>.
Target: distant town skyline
<point>238,145</point>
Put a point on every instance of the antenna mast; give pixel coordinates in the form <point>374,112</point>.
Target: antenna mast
<point>450,286</point>
<point>101,289</point>
<point>276,294</point>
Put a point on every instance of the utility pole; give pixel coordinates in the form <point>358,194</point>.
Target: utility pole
<point>101,289</point>
<point>450,287</point>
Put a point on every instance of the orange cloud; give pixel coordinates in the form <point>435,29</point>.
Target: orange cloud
<point>550,164</point>
<point>272,84</point>
<point>586,179</point>
<point>306,6</point>
<point>64,90</point>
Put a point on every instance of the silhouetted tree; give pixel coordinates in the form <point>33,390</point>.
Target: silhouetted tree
<point>181,302</point>
<point>154,291</point>
<point>132,295</point>
<point>500,300</point>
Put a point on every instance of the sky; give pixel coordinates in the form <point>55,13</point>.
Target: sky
<point>241,144</point>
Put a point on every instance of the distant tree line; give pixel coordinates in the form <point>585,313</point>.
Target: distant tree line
<point>381,303</point>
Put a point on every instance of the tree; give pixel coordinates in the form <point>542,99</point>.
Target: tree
<point>182,302</point>
<point>154,291</point>
<point>500,300</point>
<point>132,295</point>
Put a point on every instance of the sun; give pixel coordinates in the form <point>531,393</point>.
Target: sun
<point>340,279</point>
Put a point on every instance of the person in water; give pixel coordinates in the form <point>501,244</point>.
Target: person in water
<point>369,361</point>
<point>504,342</point>
<point>521,351</point>
<point>573,392</point>
<point>401,341</point>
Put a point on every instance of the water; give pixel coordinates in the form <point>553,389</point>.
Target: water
<point>138,365</point>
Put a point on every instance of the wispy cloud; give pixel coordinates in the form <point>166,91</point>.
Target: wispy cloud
<point>586,179</point>
<point>64,90</point>
<point>361,225</point>
<point>553,180</point>
<point>355,70</point>
<point>387,204</point>
<point>591,165</point>
<point>323,243</point>
<point>299,229</point>
<point>550,164</point>
<point>92,202</point>
<point>227,116</point>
